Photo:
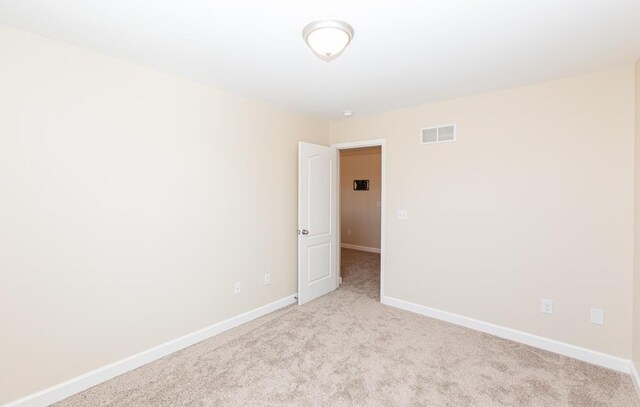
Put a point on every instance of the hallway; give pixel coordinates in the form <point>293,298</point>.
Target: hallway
<point>361,273</point>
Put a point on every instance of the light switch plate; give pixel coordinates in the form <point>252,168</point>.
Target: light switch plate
<point>597,316</point>
<point>403,214</point>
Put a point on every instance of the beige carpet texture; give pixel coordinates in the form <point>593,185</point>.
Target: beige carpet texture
<point>347,349</point>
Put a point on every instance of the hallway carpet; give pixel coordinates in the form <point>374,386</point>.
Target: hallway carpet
<point>347,349</point>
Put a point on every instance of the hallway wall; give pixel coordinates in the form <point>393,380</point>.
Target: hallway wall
<point>360,210</point>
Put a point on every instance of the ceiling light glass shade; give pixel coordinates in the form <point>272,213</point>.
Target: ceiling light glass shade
<point>328,38</point>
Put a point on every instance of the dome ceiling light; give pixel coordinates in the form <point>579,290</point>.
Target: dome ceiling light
<point>327,38</point>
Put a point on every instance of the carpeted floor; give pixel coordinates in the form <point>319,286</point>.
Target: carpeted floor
<point>347,349</point>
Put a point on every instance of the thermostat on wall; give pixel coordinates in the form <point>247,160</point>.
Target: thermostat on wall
<point>361,185</point>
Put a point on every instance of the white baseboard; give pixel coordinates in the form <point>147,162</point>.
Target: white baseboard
<point>80,383</point>
<point>635,378</point>
<point>551,345</point>
<point>361,248</point>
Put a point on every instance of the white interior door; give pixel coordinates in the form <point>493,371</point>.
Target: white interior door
<point>317,221</point>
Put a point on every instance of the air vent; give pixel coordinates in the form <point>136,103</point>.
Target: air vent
<point>438,134</point>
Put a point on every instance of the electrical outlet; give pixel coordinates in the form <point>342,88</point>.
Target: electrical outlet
<point>267,278</point>
<point>348,232</point>
<point>236,287</point>
<point>546,306</point>
<point>403,214</point>
<point>597,316</point>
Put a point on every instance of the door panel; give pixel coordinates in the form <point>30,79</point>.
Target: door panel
<point>317,221</point>
<point>319,267</point>
<point>319,184</point>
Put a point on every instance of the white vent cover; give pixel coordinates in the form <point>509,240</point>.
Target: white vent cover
<point>438,134</point>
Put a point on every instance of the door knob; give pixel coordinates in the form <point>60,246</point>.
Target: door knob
<point>305,232</point>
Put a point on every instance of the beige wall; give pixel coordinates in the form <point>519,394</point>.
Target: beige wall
<point>534,200</point>
<point>131,201</point>
<point>360,210</point>
<point>636,279</point>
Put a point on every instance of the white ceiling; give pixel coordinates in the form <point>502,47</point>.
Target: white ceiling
<point>404,52</point>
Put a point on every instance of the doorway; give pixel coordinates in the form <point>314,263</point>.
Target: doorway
<point>319,220</point>
<point>361,214</point>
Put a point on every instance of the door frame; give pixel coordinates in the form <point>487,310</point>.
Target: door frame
<point>360,144</point>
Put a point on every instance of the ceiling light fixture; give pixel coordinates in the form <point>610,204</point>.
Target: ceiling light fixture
<point>327,38</point>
